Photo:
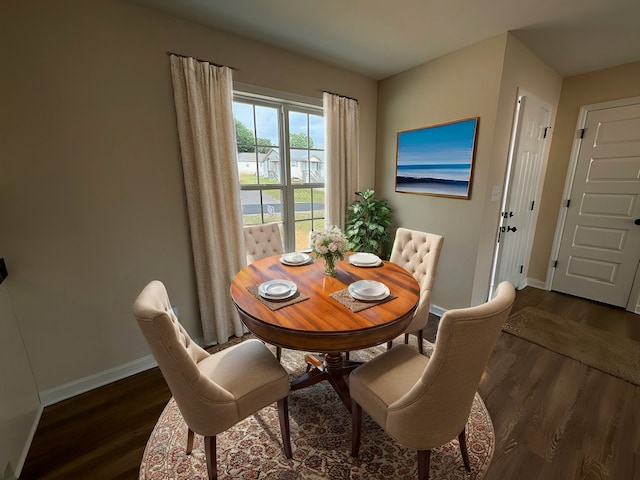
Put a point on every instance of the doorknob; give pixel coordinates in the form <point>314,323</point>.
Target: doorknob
<point>637,222</point>
<point>511,229</point>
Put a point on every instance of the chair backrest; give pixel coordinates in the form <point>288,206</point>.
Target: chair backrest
<point>441,400</point>
<point>262,241</point>
<point>418,253</point>
<point>178,357</point>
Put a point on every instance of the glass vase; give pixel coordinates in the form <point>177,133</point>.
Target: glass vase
<point>330,265</point>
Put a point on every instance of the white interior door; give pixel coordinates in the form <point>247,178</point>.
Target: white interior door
<point>522,190</point>
<point>599,249</point>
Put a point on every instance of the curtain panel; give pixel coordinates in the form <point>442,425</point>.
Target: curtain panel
<point>342,137</point>
<point>203,95</point>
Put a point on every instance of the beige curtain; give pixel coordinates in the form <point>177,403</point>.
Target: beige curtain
<point>203,94</point>
<point>342,138</point>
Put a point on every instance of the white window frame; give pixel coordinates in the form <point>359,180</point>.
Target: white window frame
<point>285,103</point>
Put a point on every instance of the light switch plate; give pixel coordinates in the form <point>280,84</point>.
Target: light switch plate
<point>496,193</point>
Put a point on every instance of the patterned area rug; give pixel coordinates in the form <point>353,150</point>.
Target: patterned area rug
<point>321,443</point>
<point>610,353</point>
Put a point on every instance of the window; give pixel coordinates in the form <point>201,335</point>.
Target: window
<point>281,164</point>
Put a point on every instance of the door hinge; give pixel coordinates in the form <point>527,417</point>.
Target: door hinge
<point>521,268</point>
<point>555,264</point>
<point>582,132</point>
<point>546,129</point>
<point>533,202</point>
<point>568,202</point>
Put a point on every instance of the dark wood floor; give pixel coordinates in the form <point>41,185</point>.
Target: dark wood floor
<point>554,418</point>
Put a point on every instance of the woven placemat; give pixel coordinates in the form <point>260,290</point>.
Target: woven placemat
<point>277,304</point>
<point>344,298</point>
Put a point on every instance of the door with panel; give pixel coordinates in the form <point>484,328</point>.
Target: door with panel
<point>599,250</point>
<point>522,190</point>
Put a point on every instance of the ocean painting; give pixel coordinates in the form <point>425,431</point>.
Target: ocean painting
<point>437,160</point>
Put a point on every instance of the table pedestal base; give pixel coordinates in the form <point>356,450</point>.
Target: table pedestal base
<point>334,368</point>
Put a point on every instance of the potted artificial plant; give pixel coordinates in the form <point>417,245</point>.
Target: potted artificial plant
<point>367,224</point>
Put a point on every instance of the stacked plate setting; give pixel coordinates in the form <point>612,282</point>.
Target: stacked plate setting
<point>368,290</point>
<point>277,289</point>
<point>294,259</point>
<point>364,260</point>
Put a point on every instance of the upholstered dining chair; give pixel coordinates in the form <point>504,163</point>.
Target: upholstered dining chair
<point>262,241</point>
<point>418,253</point>
<point>424,402</point>
<point>212,391</point>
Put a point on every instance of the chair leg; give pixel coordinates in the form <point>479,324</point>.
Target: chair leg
<point>210,455</point>
<point>406,339</point>
<point>420,342</point>
<point>189,440</point>
<point>356,427</point>
<point>424,457</point>
<point>389,345</point>
<point>278,353</point>
<point>463,449</point>
<point>283,414</point>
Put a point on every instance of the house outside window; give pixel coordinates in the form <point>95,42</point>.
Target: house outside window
<point>281,163</point>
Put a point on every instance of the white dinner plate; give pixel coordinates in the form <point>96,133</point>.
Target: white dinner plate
<point>295,258</point>
<point>368,290</point>
<point>364,260</point>
<point>277,289</point>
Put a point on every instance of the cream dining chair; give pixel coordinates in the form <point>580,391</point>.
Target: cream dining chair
<point>424,402</point>
<point>213,392</point>
<point>418,253</point>
<point>262,241</point>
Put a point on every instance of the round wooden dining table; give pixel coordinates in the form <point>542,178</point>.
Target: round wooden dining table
<point>320,323</point>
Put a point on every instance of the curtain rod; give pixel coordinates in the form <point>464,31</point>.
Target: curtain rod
<point>200,60</point>
<point>339,95</point>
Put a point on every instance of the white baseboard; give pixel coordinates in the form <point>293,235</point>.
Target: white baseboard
<point>82,385</point>
<point>436,310</point>
<point>532,282</point>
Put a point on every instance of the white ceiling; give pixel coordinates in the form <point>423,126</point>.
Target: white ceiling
<point>378,38</point>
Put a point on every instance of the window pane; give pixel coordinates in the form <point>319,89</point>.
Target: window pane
<point>299,165</point>
<point>302,235</point>
<point>261,206</point>
<point>316,166</point>
<point>267,128</point>
<point>272,208</point>
<point>245,128</point>
<point>270,166</point>
<point>318,211</point>
<point>316,131</point>
<point>247,167</point>
<point>302,203</point>
<point>298,130</point>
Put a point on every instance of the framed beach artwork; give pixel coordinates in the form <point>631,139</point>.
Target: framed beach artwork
<point>437,160</point>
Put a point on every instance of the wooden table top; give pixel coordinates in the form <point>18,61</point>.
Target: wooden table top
<point>322,324</point>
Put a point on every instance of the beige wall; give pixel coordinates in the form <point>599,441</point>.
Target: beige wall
<point>91,192</point>
<point>480,80</point>
<point>460,85</point>
<point>603,85</point>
